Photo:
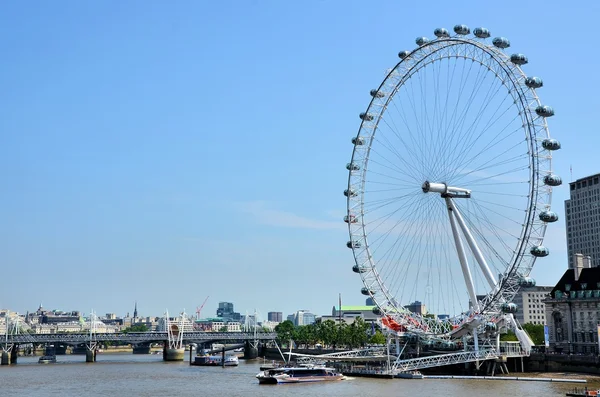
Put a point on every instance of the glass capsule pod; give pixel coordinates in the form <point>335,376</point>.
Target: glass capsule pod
<point>482,33</point>
<point>462,29</point>
<point>518,59</point>
<point>552,180</point>
<point>350,219</point>
<point>441,32</point>
<point>526,282</point>
<point>509,308</point>
<point>376,94</point>
<point>421,41</point>
<point>358,141</point>
<point>377,311</point>
<point>548,216</point>
<point>359,269</point>
<point>550,144</point>
<point>539,251</point>
<point>350,193</point>
<point>366,291</point>
<point>403,54</point>
<point>353,244</point>
<point>490,327</point>
<point>366,116</point>
<point>534,82</point>
<point>501,42</point>
<point>544,111</point>
<point>352,167</point>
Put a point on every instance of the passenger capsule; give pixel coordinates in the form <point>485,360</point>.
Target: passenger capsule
<point>550,144</point>
<point>358,141</point>
<point>366,291</point>
<point>462,30</point>
<point>534,82</point>
<point>350,219</point>
<point>518,59</point>
<point>353,244</point>
<point>350,193</point>
<point>501,42</point>
<point>377,311</point>
<point>441,32</point>
<point>490,327</point>
<point>403,54</point>
<point>352,167</point>
<point>359,269</point>
<point>482,33</point>
<point>552,180</point>
<point>544,111</point>
<point>508,308</point>
<point>526,282</point>
<point>539,251</point>
<point>366,116</point>
<point>377,94</point>
<point>548,216</point>
<point>421,41</point>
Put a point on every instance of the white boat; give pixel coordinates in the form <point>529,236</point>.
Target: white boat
<point>47,359</point>
<point>216,360</point>
<point>298,374</point>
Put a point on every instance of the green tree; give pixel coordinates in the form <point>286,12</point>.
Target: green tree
<point>536,332</point>
<point>285,331</point>
<point>327,332</point>
<point>223,329</point>
<point>136,328</point>
<point>509,336</point>
<point>378,338</point>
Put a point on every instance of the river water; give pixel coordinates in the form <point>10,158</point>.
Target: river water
<point>147,375</point>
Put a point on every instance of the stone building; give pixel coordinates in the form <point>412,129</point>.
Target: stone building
<point>530,301</point>
<point>573,309</point>
<point>582,216</point>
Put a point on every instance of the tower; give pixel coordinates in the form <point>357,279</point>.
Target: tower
<point>135,311</point>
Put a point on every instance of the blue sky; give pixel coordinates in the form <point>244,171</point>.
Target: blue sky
<point>162,152</point>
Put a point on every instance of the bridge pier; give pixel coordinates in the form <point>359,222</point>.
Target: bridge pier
<point>141,349</point>
<point>5,359</point>
<point>250,351</point>
<point>90,355</point>
<point>14,354</point>
<point>173,354</point>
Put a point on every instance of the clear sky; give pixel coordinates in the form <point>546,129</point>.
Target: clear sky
<point>163,152</point>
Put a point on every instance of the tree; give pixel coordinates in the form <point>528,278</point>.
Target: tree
<point>536,332</point>
<point>136,328</point>
<point>509,336</point>
<point>285,331</point>
<point>223,329</point>
<point>378,338</point>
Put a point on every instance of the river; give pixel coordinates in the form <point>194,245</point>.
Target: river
<point>122,374</point>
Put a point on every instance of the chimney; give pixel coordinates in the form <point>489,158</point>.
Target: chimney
<point>581,262</point>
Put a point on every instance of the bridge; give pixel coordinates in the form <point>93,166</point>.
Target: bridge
<point>173,341</point>
<point>137,337</point>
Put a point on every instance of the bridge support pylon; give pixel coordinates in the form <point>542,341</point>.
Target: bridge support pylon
<point>5,359</point>
<point>174,350</point>
<point>90,354</point>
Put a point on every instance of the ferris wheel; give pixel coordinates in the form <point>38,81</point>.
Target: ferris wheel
<point>450,184</point>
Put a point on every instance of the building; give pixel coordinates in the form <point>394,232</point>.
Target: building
<point>303,317</point>
<point>417,307</point>
<point>530,304</point>
<point>226,312</point>
<point>582,212</point>
<point>275,317</point>
<point>573,309</point>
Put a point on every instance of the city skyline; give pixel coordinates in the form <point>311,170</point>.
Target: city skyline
<point>161,154</point>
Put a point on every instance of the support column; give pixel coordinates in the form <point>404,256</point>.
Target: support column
<point>90,355</point>
<point>14,354</point>
<point>5,359</point>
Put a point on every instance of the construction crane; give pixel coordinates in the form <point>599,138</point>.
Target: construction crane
<point>199,308</point>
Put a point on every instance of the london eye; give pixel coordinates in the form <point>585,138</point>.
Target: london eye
<point>449,187</point>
